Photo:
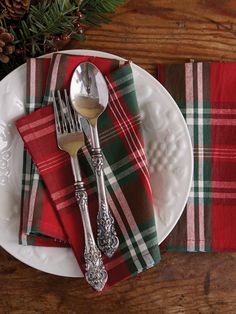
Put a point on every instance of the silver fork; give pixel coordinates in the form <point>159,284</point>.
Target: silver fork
<point>70,138</point>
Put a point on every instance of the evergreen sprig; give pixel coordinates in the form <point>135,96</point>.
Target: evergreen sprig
<point>97,12</point>
<point>44,19</point>
<point>50,17</point>
<point>36,33</point>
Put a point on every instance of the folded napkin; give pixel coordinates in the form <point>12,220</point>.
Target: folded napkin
<point>206,95</point>
<point>125,168</point>
<point>39,223</point>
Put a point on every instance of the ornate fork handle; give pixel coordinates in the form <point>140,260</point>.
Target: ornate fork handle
<point>107,239</point>
<point>70,138</point>
<point>96,274</point>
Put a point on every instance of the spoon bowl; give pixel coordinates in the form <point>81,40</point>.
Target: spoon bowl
<point>88,92</point>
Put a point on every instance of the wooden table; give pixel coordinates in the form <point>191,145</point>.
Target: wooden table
<point>147,32</point>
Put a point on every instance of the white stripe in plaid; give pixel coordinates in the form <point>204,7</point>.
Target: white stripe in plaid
<point>131,253</point>
<point>217,184</point>
<point>48,161</point>
<point>189,105</point>
<point>211,121</point>
<point>54,74</point>
<point>204,195</point>
<point>33,193</point>
<point>200,160</point>
<point>30,107</point>
<point>36,123</point>
<point>206,111</point>
<point>123,79</point>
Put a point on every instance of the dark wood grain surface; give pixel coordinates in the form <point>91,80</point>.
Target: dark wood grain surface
<point>146,32</point>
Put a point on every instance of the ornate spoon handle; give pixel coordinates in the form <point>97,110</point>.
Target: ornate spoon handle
<point>95,274</point>
<point>107,239</point>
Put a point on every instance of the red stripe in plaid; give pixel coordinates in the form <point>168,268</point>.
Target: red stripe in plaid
<point>223,99</point>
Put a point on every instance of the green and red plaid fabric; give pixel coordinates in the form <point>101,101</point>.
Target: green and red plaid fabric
<point>125,169</point>
<point>32,231</point>
<point>39,224</point>
<point>206,95</point>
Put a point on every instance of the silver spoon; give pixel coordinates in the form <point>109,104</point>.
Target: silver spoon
<point>89,97</point>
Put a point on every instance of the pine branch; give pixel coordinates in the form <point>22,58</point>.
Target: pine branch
<point>45,19</point>
<point>97,12</point>
<point>50,20</point>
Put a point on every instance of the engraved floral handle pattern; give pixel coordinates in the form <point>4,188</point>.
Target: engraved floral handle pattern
<point>95,274</point>
<point>107,239</point>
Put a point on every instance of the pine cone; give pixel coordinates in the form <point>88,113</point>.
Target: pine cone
<point>15,9</point>
<point>6,46</point>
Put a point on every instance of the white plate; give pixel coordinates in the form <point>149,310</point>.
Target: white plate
<point>168,147</point>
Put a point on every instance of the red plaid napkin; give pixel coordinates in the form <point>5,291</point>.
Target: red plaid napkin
<point>125,169</point>
<point>206,95</point>
<point>39,222</point>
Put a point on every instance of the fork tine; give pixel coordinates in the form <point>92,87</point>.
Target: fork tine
<point>69,116</point>
<point>77,121</point>
<point>56,115</point>
<point>64,125</point>
<point>73,114</point>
